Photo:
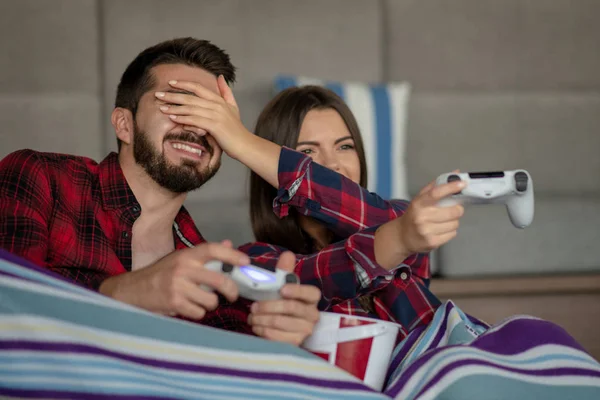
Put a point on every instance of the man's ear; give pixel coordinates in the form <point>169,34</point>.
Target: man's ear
<point>122,120</point>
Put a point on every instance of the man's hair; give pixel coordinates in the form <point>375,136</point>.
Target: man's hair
<point>280,122</point>
<point>138,79</point>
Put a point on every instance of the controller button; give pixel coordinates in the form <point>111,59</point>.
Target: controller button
<point>292,278</point>
<point>453,178</point>
<point>227,268</point>
<point>521,180</point>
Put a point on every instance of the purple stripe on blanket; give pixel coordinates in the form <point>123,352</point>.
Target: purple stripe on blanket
<point>410,340</point>
<point>545,372</point>
<point>85,349</point>
<point>521,334</point>
<point>407,345</point>
<point>442,329</point>
<point>11,275</point>
<point>53,394</point>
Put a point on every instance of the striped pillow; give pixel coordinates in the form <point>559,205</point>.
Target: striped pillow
<point>381,112</point>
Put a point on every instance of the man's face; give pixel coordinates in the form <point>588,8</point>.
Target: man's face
<point>178,160</point>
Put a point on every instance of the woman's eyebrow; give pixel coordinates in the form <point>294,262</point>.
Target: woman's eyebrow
<point>342,139</point>
<point>307,143</point>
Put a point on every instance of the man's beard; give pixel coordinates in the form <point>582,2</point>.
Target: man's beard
<point>175,178</point>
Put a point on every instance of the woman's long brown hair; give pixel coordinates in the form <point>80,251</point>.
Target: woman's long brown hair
<point>280,122</point>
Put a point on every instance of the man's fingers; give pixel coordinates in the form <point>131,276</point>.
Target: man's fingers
<point>279,336</point>
<point>287,261</point>
<point>306,293</point>
<point>217,281</point>
<point>188,309</point>
<point>287,307</point>
<point>216,251</point>
<point>227,243</point>
<point>281,322</point>
<point>205,299</point>
<point>219,252</point>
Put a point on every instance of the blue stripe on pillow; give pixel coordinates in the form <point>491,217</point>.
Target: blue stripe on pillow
<point>337,88</point>
<point>284,82</point>
<point>384,141</point>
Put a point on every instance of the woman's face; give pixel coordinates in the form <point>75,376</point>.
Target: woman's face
<point>325,137</point>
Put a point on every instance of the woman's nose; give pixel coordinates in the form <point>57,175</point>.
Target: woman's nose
<point>331,161</point>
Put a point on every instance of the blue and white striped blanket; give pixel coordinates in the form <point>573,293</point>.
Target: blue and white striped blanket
<point>60,341</point>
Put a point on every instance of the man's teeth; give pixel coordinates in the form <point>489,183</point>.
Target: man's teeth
<point>187,148</point>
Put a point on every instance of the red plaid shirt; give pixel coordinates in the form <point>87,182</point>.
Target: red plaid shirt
<point>346,270</point>
<point>75,217</point>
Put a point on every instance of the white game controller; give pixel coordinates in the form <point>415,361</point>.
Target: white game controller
<point>255,282</point>
<point>512,188</point>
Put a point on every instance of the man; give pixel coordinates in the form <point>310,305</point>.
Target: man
<point>120,227</point>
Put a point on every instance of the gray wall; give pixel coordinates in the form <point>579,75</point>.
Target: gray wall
<point>497,85</point>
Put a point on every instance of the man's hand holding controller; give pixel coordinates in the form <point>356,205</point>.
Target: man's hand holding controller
<point>172,286</point>
<point>284,310</point>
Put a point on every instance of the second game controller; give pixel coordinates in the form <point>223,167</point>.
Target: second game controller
<point>512,188</point>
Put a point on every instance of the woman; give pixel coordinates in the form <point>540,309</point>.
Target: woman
<point>321,198</point>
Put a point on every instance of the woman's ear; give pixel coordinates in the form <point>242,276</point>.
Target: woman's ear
<point>122,121</point>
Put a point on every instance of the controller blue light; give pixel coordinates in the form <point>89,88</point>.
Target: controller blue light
<point>257,275</point>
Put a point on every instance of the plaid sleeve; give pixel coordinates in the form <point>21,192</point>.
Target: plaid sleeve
<point>334,269</point>
<point>25,206</point>
<point>340,203</point>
